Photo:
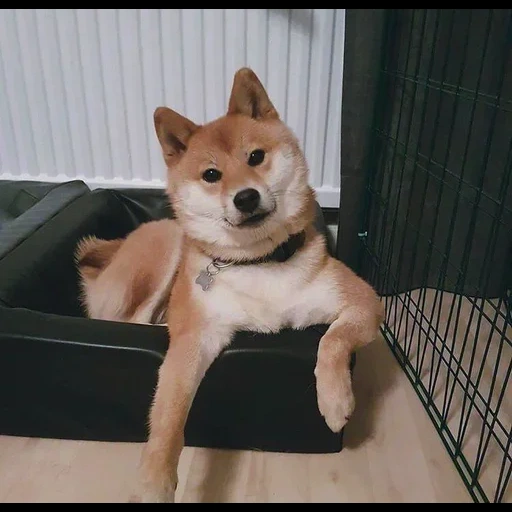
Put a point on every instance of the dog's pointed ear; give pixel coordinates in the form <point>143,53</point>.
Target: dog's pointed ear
<point>248,97</point>
<point>173,132</point>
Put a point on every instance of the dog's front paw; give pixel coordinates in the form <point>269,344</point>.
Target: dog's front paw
<point>158,482</point>
<point>334,395</point>
<point>157,496</point>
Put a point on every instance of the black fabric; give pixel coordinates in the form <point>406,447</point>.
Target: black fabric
<point>361,71</point>
<point>39,273</point>
<point>432,131</point>
<point>26,205</point>
<point>73,378</point>
<point>65,376</point>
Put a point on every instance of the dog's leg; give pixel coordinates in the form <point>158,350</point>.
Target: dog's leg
<point>191,351</point>
<point>359,316</point>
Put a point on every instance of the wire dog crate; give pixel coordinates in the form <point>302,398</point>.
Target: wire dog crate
<point>436,231</point>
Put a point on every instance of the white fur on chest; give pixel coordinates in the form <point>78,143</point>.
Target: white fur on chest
<point>268,297</point>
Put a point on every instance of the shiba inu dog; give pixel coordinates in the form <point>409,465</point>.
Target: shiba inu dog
<point>241,254</point>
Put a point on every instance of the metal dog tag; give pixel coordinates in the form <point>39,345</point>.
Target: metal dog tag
<point>204,280</point>
<point>205,277</point>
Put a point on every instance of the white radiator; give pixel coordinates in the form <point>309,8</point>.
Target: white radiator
<point>78,87</point>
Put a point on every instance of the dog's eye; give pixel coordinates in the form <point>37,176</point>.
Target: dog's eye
<point>211,175</point>
<point>256,157</point>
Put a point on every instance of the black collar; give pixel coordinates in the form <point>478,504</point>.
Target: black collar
<point>281,253</point>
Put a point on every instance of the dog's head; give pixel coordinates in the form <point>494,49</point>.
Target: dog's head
<point>239,183</point>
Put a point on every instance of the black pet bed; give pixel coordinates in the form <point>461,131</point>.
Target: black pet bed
<point>67,377</point>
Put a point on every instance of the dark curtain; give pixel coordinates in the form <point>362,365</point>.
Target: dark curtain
<point>427,149</point>
<point>364,29</point>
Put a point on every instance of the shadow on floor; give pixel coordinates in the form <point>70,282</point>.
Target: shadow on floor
<point>374,375</point>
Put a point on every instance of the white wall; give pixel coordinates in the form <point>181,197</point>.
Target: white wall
<point>78,87</point>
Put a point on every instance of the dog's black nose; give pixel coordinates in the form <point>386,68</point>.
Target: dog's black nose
<point>247,200</point>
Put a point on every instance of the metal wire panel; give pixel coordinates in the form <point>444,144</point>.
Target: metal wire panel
<point>437,233</point>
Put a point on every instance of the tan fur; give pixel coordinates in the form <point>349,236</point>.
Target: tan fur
<point>159,262</point>
<point>129,280</point>
<point>94,255</point>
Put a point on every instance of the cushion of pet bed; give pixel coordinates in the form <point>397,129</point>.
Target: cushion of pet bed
<point>26,205</point>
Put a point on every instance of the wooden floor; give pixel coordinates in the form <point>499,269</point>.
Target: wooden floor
<point>461,349</point>
<point>392,454</point>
